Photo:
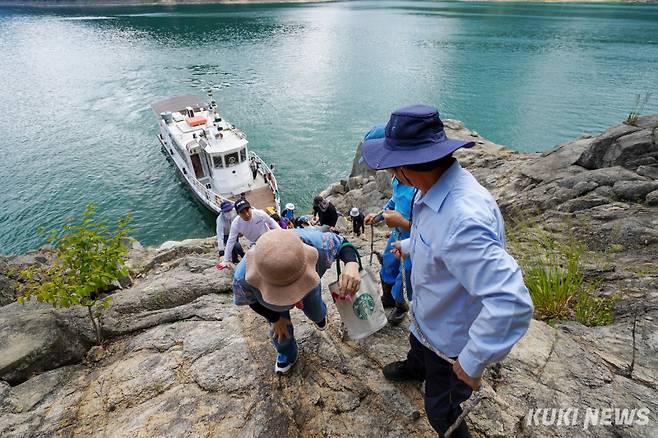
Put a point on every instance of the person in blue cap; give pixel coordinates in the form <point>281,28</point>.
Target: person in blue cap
<point>397,216</point>
<point>224,219</point>
<point>470,302</point>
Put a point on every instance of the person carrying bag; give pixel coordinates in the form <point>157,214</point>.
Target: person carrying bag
<point>363,313</point>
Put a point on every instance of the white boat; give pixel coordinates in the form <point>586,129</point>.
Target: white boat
<point>211,155</point>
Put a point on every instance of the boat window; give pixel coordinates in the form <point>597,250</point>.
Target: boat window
<point>243,155</point>
<point>217,161</point>
<point>231,159</point>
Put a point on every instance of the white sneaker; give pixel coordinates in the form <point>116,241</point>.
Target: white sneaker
<point>284,367</point>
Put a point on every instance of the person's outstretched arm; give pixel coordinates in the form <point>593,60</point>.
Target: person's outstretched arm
<point>232,238</point>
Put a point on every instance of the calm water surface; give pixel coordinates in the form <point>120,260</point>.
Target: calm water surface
<point>305,82</point>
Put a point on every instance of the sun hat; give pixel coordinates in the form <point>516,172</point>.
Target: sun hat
<point>413,135</point>
<point>242,204</point>
<point>290,206</point>
<point>354,212</point>
<point>282,267</point>
<point>226,206</point>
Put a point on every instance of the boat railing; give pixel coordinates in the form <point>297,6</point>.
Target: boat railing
<point>268,175</point>
<point>212,197</point>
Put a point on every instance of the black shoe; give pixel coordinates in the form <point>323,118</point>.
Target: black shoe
<point>398,314</point>
<point>322,325</point>
<point>398,371</point>
<point>462,431</point>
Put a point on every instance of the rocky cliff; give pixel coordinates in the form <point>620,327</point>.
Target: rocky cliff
<point>182,360</point>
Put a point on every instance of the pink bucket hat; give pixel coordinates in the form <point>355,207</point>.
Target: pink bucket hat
<point>282,267</point>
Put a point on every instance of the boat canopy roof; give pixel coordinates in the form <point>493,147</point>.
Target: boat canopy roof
<point>229,143</point>
<point>177,103</point>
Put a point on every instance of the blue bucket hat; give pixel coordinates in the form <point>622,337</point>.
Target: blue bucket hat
<point>413,135</point>
<point>226,206</point>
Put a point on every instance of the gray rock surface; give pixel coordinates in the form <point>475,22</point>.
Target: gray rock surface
<point>634,190</point>
<point>624,145</point>
<point>648,171</point>
<point>34,338</point>
<point>652,198</point>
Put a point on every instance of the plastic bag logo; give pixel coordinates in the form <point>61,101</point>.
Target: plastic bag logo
<point>363,306</point>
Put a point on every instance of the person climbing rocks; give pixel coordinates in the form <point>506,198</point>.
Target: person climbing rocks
<point>283,222</point>
<point>397,216</point>
<point>302,221</point>
<point>224,220</point>
<point>284,269</point>
<point>357,221</point>
<point>470,302</point>
<point>326,213</point>
<point>289,212</point>
<point>252,223</point>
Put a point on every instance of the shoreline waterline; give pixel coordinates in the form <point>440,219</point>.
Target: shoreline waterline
<point>44,4</point>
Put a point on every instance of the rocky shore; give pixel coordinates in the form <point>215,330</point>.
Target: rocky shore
<point>182,360</point>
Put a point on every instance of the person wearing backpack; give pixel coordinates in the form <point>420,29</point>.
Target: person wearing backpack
<point>282,271</point>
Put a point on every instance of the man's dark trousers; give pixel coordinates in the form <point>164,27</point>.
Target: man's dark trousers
<point>237,252</point>
<point>444,391</point>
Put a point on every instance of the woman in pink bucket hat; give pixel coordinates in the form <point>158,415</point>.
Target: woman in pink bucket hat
<point>283,270</point>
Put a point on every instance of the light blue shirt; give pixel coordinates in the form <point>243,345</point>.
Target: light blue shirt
<point>469,297</point>
<point>401,199</point>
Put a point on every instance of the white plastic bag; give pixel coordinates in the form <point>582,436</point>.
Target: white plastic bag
<point>362,314</point>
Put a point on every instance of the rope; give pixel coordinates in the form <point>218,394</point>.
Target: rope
<point>372,241</point>
<point>480,394</point>
<point>372,236</point>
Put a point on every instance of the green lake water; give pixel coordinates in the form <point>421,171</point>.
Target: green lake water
<point>304,82</point>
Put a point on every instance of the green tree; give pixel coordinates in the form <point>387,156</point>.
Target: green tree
<point>89,257</point>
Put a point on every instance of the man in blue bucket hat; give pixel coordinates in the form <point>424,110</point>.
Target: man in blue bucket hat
<point>470,302</point>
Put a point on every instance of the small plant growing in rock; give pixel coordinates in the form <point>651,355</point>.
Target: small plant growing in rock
<point>593,311</point>
<point>640,103</point>
<point>89,258</point>
<point>553,274</point>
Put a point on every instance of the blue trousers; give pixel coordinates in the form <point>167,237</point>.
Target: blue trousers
<point>315,310</point>
<point>391,271</point>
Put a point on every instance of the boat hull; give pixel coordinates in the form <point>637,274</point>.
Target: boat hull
<point>191,188</point>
